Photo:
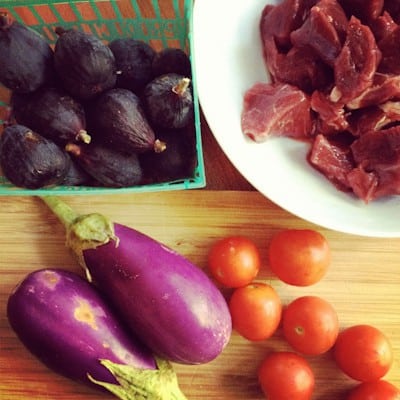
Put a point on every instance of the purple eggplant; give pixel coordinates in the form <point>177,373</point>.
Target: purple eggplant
<point>64,321</point>
<point>171,304</point>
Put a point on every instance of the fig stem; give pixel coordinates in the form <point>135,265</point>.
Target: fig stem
<point>83,136</point>
<point>181,86</point>
<point>5,20</point>
<point>73,149</point>
<point>159,146</point>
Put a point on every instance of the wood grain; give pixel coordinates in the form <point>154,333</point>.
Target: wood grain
<point>363,284</point>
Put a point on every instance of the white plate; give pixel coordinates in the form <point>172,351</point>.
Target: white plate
<point>228,60</point>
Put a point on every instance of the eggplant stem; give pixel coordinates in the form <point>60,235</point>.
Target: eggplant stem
<point>82,231</point>
<point>143,384</point>
<point>62,210</point>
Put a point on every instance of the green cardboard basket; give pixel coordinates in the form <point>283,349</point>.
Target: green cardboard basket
<point>161,23</point>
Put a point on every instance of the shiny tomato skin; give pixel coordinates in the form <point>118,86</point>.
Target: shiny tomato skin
<point>310,325</point>
<point>299,257</point>
<point>256,311</point>
<point>374,390</point>
<point>363,353</point>
<point>234,261</point>
<point>286,375</point>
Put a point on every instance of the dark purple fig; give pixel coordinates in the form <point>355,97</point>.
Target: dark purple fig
<point>117,118</point>
<point>134,63</point>
<point>168,101</point>
<point>177,161</point>
<point>85,65</point>
<point>171,59</point>
<point>111,168</point>
<point>52,113</point>
<point>30,160</point>
<point>77,176</point>
<point>26,61</point>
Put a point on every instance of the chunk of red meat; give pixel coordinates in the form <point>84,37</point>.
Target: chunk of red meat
<point>356,64</point>
<point>378,153</point>
<point>362,183</point>
<point>334,161</point>
<point>365,10</point>
<point>275,109</point>
<point>368,119</point>
<point>376,148</point>
<point>331,117</point>
<point>324,30</point>
<point>389,46</point>
<point>298,67</point>
<point>383,26</point>
<point>279,21</point>
<point>391,110</point>
<point>385,87</point>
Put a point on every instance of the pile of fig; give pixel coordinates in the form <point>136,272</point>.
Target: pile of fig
<point>89,113</point>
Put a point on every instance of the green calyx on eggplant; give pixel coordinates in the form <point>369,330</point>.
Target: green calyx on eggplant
<point>85,65</point>
<point>109,167</point>
<point>26,61</point>
<point>52,113</point>
<point>117,118</point>
<point>30,160</point>
<point>170,304</point>
<point>134,60</point>
<point>66,323</point>
<point>168,101</point>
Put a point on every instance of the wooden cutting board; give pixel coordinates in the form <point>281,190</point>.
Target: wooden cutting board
<point>363,283</point>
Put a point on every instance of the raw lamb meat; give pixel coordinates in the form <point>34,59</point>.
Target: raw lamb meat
<point>335,82</point>
<point>277,109</point>
<point>356,64</point>
<point>333,160</point>
<point>324,31</point>
<point>377,153</point>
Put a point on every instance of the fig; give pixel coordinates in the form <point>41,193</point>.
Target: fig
<point>177,161</point>
<point>171,59</point>
<point>76,176</point>
<point>53,114</point>
<point>117,118</point>
<point>30,160</point>
<point>26,61</point>
<point>168,101</point>
<point>110,168</point>
<point>85,65</point>
<point>134,60</point>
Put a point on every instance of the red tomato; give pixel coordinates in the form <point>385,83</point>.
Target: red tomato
<point>286,375</point>
<point>256,311</point>
<point>234,261</point>
<point>299,257</point>
<point>375,390</point>
<point>310,325</point>
<point>363,353</point>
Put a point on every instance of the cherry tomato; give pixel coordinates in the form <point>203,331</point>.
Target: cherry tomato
<point>299,257</point>
<point>374,390</point>
<point>256,311</point>
<point>234,261</point>
<point>363,352</point>
<point>310,325</point>
<point>286,375</point>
